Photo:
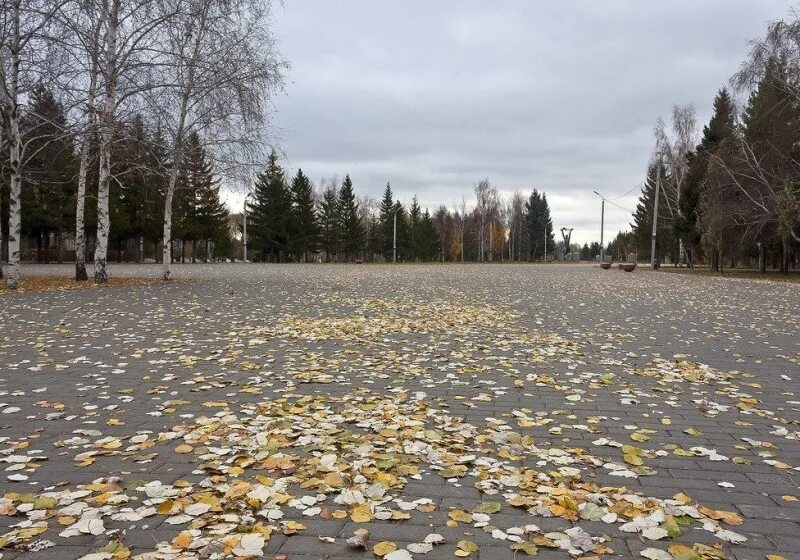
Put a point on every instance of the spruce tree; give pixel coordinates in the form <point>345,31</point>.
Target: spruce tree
<point>119,206</point>
<point>351,230</point>
<point>547,221</point>
<point>49,187</point>
<point>771,126</point>
<point>538,225</point>
<point>270,213</point>
<point>428,238</point>
<point>329,224</point>
<point>416,249</point>
<point>209,216</point>
<point>305,229</point>
<point>141,195</point>
<point>720,128</point>
<point>386,219</point>
<point>182,211</point>
<point>403,232</point>
<point>374,238</point>
<point>642,226</point>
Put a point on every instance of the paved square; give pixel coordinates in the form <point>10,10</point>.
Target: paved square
<point>416,411</point>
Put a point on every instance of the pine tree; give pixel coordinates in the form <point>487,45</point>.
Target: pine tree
<point>182,210</point>
<point>142,195</point>
<point>415,232</point>
<point>209,216</point>
<point>428,238</point>
<point>374,238</point>
<point>305,228</point>
<point>771,126</point>
<point>547,222</point>
<point>538,225</point>
<point>351,230</point>
<point>585,253</point>
<point>49,187</point>
<point>720,128</point>
<point>770,114</point>
<point>386,219</point>
<point>270,213</point>
<point>642,226</point>
<point>403,232</point>
<point>329,223</point>
<point>119,208</point>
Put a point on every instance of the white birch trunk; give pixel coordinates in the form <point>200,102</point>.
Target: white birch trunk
<point>106,138</point>
<point>177,149</point>
<point>103,218</point>
<point>14,214</point>
<point>80,226</point>
<point>491,239</point>
<point>80,208</point>
<point>15,159</point>
<point>167,254</point>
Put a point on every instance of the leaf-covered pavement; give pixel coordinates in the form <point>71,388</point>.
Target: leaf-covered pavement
<point>402,412</point>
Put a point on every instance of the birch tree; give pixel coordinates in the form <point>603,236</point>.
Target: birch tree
<point>127,56</point>
<point>773,164</point>
<point>460,222</point>
<point>781,42</point>
<point>483,197</point>
<point>219,69</point>
<point>84,20</point>
<point>674,149</point>
<point>24,55</point>
<point>674,146</point>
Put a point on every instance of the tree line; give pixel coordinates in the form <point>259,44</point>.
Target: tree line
<point>289,220</point>
<point>136,198</point>
<point>119,119</point>
<point>733,196</point>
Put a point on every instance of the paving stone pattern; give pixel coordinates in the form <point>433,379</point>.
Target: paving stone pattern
<point>438,388</point>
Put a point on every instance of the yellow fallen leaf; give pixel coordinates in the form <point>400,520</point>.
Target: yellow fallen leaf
<point>460,515</point>
<point>682,498</point>
<point>466,548</point>
<point>292,527</point>
<point>183,540</point>
<point>361,514</point>
<point>383,548</point>
<point>632,459</point>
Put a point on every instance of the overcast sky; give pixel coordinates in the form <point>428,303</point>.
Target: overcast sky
<point>435,95</point>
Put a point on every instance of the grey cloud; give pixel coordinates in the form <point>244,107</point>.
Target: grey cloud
<point>433,96</point>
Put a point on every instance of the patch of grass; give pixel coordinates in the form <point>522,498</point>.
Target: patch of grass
<point>748,273</point>
<point>61,283</point>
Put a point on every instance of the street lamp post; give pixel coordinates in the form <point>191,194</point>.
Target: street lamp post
<point>244,229</point>
<point>653,257</point>
<point>394,239</point>
<point>602,226</point>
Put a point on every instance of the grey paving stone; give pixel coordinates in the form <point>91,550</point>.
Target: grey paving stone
<point>747,326</point>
